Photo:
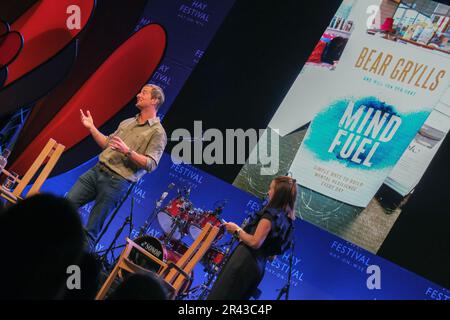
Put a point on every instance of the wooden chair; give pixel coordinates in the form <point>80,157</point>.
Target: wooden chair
<point>52,151</point>
<point>175,275</point>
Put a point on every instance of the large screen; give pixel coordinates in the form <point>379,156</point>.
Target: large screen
<point>366,115</point>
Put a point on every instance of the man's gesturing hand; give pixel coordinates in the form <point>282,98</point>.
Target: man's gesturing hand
<point>86,120</point>
<point>117,144</point>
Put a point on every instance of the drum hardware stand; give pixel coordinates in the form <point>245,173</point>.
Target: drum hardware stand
<point>151,218</point>
<point>177,224</point>
<point>205,286</point>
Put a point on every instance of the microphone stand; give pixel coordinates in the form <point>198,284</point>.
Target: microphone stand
<point>104,257</point>
<point>151,218</point>
<point>128,220</point>
<point>148,222</point>
<point>287,286</point>
<point>131,217</point>
<point>114,214</point>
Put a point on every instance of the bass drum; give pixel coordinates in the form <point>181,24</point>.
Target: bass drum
<point>155,247</point>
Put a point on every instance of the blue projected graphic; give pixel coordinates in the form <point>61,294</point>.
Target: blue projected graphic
<point>333,136</point>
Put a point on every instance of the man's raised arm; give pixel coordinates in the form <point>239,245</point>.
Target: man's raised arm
<point>88,123</point>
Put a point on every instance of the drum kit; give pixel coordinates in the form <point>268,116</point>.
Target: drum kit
<point>180,220</point>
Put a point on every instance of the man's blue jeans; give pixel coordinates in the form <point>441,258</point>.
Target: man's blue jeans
<point>103,187</point>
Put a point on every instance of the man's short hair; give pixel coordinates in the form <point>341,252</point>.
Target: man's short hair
<point>157,92</point>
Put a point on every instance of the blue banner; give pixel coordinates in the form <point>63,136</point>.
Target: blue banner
<point>323,267</point>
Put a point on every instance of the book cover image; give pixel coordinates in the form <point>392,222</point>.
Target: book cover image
<point>348,119</point>
<point>382,93</point>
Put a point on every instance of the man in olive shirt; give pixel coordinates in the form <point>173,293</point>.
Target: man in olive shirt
<point>134,149</point>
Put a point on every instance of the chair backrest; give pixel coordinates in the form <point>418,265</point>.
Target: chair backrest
<point>130,266</point>
<point>52,151</point>
<point>192,256</point>
<point>174,279</point>
<point>124,263</point>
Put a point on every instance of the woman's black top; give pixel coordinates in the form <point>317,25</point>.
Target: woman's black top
<point>280,236</point>
<point>241,275</point>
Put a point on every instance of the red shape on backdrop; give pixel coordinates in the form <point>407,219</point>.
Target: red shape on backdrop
<point>39,81</point>
<point>106,92</point>
<point>45,31</point>
<point>10,45</point>
<point>95,46</point>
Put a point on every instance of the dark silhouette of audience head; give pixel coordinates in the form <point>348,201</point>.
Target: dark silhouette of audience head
<point>140,287</point>
<point>40,237</point>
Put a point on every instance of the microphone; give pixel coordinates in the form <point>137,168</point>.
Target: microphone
<point>219,206</point>
<point>245,222</point>
<point>164,195</point>
<point>234,238</point>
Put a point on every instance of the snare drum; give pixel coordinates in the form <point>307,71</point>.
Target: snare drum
<point>179,206</point>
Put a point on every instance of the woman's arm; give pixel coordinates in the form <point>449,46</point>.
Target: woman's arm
<point>253,241</point>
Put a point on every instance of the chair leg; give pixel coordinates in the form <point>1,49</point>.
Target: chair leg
<point>205,245</point>
<point>55,155</point>
<point>105,287</point>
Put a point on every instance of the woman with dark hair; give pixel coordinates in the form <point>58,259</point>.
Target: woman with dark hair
<point>269,234</point>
